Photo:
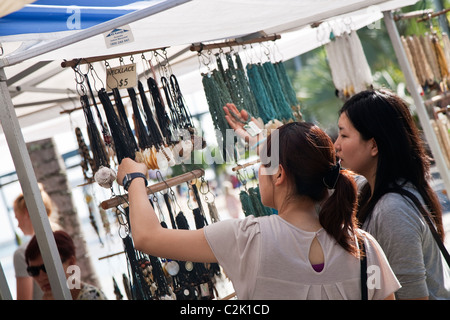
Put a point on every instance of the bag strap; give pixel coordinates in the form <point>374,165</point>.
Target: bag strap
<point>427,218</point>
<point>364,290</point>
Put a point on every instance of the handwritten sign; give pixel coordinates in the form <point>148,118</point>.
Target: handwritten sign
<point>121,77</point>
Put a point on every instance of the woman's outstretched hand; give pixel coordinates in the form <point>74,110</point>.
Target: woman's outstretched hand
<point>237,120</point>
<point>128,165</point>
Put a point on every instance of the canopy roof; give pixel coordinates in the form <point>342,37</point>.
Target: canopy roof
<point>34,46</point>
<point>179,22</point>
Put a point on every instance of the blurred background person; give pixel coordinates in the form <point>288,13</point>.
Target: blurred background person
<point>66,248</point>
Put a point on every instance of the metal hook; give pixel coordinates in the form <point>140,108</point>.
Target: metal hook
<point>265,50</point>
<point>204,60</point>
<point>93,72</point>
<point>79,79</point>
<point>189,196</point>
<point>156,203</point>
<point>107,65</point>
<point>208,190</point>
<point>241,179</point>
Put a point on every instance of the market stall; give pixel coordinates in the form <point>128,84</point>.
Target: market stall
<point>290,19</point>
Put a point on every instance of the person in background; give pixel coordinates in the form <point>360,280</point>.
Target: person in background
<point>310,250</point>
<point>26,288</point>
<point>66,249</point>
<point>379,140</point>
<point>233,204</point>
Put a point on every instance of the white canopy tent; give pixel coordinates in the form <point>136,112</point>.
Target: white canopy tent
<point>175,25</point>
<point>44,88</point>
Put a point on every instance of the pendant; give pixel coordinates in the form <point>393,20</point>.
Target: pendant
<point>172,268</point>
<point>204,289</point>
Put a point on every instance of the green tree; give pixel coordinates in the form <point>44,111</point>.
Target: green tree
<point>313,82</point>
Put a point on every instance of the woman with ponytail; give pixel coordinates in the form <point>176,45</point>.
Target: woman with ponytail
<point>309,250</point>
<point>379,140</point>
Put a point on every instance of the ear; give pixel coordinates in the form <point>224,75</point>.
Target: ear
<point>279,176</point>
<point>26,213</point>
<point>374,148</point>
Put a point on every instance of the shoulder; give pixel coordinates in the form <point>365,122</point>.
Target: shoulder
<point>378,268</point>
<point>236,244</point>
<point>19,255</point>
<point>370,243</point>
<point>233,236</point>
<point>373,250</point>
<point>246,226</point>
<point>20,251</point>
<point>393,199</point>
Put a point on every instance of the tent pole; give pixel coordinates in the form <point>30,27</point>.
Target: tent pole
<point>420,106</point>
<point>90,32</point>
<point>231,43</point>
<point>5,294</point>
<point>32,194</point>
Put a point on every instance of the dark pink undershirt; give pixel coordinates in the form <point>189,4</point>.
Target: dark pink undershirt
<point>318,267</point>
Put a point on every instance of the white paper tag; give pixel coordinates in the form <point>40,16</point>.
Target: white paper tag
<point>118,36</point>
<point>120,77</point>
<point>252,129</point>
<point>204,289</point>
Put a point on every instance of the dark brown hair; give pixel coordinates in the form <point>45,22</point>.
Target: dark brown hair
<point>20,205</point>
<point>64,243</point>
<point>307,155</point>
<point>385,117</point>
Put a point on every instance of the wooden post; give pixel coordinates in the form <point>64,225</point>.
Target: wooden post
<point>51,173</point>
<point>32,195</point>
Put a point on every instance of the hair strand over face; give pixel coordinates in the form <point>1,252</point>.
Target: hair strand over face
<point>307,154</point>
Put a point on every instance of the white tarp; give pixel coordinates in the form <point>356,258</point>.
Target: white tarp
<point>206,20</point>
<point>177,28</point>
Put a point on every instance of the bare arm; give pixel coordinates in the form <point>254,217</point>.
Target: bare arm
<point>148,235</point>
<point>236,119</point>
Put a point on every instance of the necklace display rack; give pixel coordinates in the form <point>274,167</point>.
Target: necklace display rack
<point>261,87</point>
<point>429,58</point>
<point>148,277</point>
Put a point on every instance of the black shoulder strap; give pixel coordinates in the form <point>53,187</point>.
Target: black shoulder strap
<point>364,290</point>
<point>427,218</point>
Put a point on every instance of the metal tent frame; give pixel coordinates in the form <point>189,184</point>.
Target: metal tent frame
<point>21,158</point>
<point>412,86</point>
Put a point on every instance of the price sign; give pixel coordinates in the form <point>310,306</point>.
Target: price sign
<point>121,77</point>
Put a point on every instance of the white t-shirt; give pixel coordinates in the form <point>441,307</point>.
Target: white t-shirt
<point>267,258</point>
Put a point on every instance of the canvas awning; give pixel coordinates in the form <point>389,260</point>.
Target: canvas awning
<point>169,23</point>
